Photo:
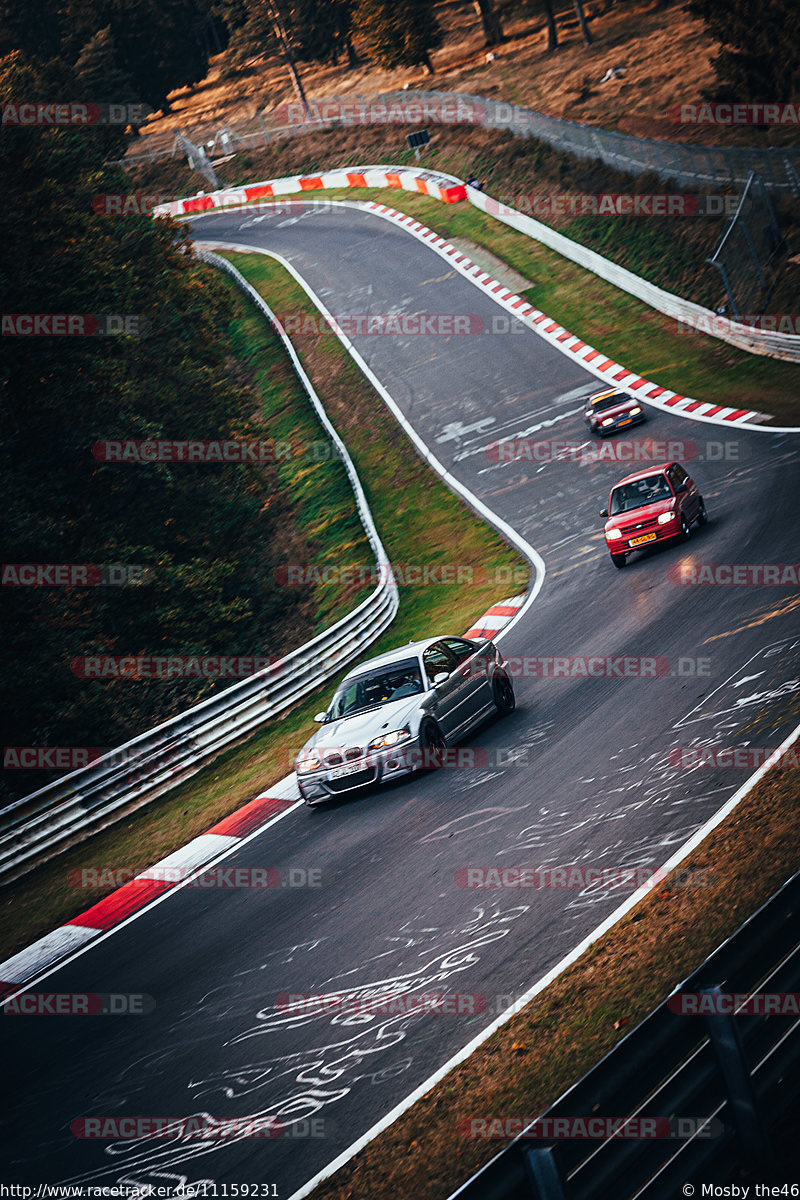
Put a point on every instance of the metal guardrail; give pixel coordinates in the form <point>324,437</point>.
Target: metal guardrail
<point>686,164</point>
<point>753,338</point>
<point>751,251</point>
<point>43,824</point>
<point>707,1082</point>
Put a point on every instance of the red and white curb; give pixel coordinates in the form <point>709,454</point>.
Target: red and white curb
<point>606,369</point>
<point>429,183</point>
<point>183,866</point>
<point>496,618</point>
<point>450,191</point>
<point>174,871</point>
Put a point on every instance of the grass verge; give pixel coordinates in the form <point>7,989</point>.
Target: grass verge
<point>313,479</point>
<point>420,522</point>
<point>643,340</point>
<point>666,251</point>
<point>671,251</point>
<point>524,1067</point>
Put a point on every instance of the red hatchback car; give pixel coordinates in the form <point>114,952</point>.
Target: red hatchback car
<point>610,410</point>
<point>653,505</point>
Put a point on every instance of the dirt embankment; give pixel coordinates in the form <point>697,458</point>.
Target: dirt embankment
<point>663,54</point>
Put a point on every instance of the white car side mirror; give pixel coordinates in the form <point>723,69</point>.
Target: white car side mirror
<point>440,677</point>
<point>321,718</point>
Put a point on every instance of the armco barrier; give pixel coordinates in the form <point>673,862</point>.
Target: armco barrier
<point>688,164</point>
<point>744,337</point>
<point>707,1085</point>
<point>450,190</point>
<point>46,822</point>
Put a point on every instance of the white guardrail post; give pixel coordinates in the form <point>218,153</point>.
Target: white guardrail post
<point>41,825</point>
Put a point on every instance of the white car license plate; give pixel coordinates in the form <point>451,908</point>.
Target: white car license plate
<point>348,769</point>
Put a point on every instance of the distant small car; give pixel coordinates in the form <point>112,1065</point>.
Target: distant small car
<point>610,410</point>
<point>653,505</point>
<point>397,712</point>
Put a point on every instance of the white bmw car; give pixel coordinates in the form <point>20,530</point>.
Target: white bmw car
<point>398,713</point>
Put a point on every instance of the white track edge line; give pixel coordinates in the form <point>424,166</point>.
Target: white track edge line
<point>516,539</point>
<point>693,842</point>
<point>468,269</point>
<point>103,934</point>
<point>614,917</point>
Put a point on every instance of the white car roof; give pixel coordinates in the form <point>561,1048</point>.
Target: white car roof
<point>410,650</point>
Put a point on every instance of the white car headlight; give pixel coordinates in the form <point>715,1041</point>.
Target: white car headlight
<point>389,739</point>
<point>666,517</point>
<point>613,534</point>
<point>307,761</point>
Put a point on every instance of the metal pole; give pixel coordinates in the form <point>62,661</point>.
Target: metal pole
<point>727,1045</point>
<point>543,1173</point>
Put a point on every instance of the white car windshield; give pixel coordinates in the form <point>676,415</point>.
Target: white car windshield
<point>612,401</point>
<point>382,685</point>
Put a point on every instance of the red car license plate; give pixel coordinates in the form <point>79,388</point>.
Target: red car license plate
<point>645,537</point>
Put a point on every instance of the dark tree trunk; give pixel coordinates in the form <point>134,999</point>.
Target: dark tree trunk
<point>492,29</point>
<point>283,40</point>
<point>552,34</point>
<point>587,37</point>
<point>352,57</point>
